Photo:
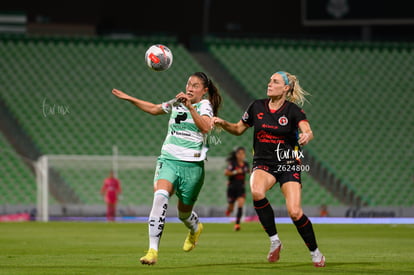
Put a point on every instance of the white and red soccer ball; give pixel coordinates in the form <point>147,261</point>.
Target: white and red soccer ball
<point>159,57</point>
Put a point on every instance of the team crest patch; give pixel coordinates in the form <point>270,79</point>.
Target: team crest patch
<point>283,121</point>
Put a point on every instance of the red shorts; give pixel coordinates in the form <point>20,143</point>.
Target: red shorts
<point>111,197</point>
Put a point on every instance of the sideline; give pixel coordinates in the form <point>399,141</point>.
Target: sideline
<point>280,220</point>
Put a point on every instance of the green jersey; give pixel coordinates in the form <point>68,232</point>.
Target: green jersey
<point>184,141</point>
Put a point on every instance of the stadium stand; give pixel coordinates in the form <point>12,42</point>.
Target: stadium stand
<point>69,86</point>
<point>59,89</point>
<point>360,106</point>
<point>62,99</point>
<point>18,184</point>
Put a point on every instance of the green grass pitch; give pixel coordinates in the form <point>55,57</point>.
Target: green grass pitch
<point>114,248</point>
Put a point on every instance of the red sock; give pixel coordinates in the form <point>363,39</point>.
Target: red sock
<point>110,212</point>
<point>266,216</point>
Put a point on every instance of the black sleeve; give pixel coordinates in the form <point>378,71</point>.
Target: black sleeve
<point>248,116</point>
<point>230,166</point>
<point>298,114</point>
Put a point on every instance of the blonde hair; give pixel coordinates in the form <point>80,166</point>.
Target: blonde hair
<point>296,93</point>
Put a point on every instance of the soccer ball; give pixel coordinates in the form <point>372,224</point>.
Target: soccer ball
<point>159,57</point>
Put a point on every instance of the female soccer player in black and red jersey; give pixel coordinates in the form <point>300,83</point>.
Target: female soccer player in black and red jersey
<point>236,171</point>
<point>280,129</point>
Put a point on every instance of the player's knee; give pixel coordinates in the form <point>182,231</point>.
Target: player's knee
<point>295,213</point>
<point>257,195</point>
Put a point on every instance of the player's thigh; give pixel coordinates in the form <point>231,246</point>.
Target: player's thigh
<point>260,182</point>
<point>164,176</point>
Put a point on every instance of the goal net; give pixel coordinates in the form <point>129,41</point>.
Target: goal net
<point>69,185</point>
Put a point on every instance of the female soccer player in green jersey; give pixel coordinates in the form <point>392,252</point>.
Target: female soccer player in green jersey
<point>180,167</point>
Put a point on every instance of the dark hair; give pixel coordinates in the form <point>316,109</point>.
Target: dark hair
<point>213,93</point>
<point>232,156</point>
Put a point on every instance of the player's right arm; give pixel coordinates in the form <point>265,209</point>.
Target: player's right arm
<point>229,170</point>
<point>148,107</point>
<point>233,128</point>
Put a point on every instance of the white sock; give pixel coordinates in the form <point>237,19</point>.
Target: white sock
<point>156,219</point>
<point>274,238</point>
<point>190,220</point>
<point>315,252</point>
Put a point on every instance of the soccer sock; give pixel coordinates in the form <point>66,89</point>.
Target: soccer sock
<point>274,238</point>
<point>239,214</point>
<point>266,216</point>
<point>305,230</point>
<point>110,212</point>
<point>157,218</point>
<point>190,220</point>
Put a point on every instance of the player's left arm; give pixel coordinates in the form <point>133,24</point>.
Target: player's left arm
<point>203,122</point>
<point>229,171</point>
<point>103,189</point>
<point>306,133</point>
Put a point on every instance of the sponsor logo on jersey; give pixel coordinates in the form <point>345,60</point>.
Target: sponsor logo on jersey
<point>180,117</point>
<point>270,126</point>
<point>263,136</point>
<point>180,133</point>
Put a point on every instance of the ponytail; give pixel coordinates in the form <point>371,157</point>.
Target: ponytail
<point>213,93</point>
<point>296,93</point>
<point>214,97</point>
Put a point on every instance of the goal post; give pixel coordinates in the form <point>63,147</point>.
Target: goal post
<point>42,187</point>
<point>69,185</point>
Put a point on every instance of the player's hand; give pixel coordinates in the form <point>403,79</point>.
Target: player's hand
<point>216,121</point>
<point>120,94</point>
<point>184,99</point>
<point>304,138</point>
